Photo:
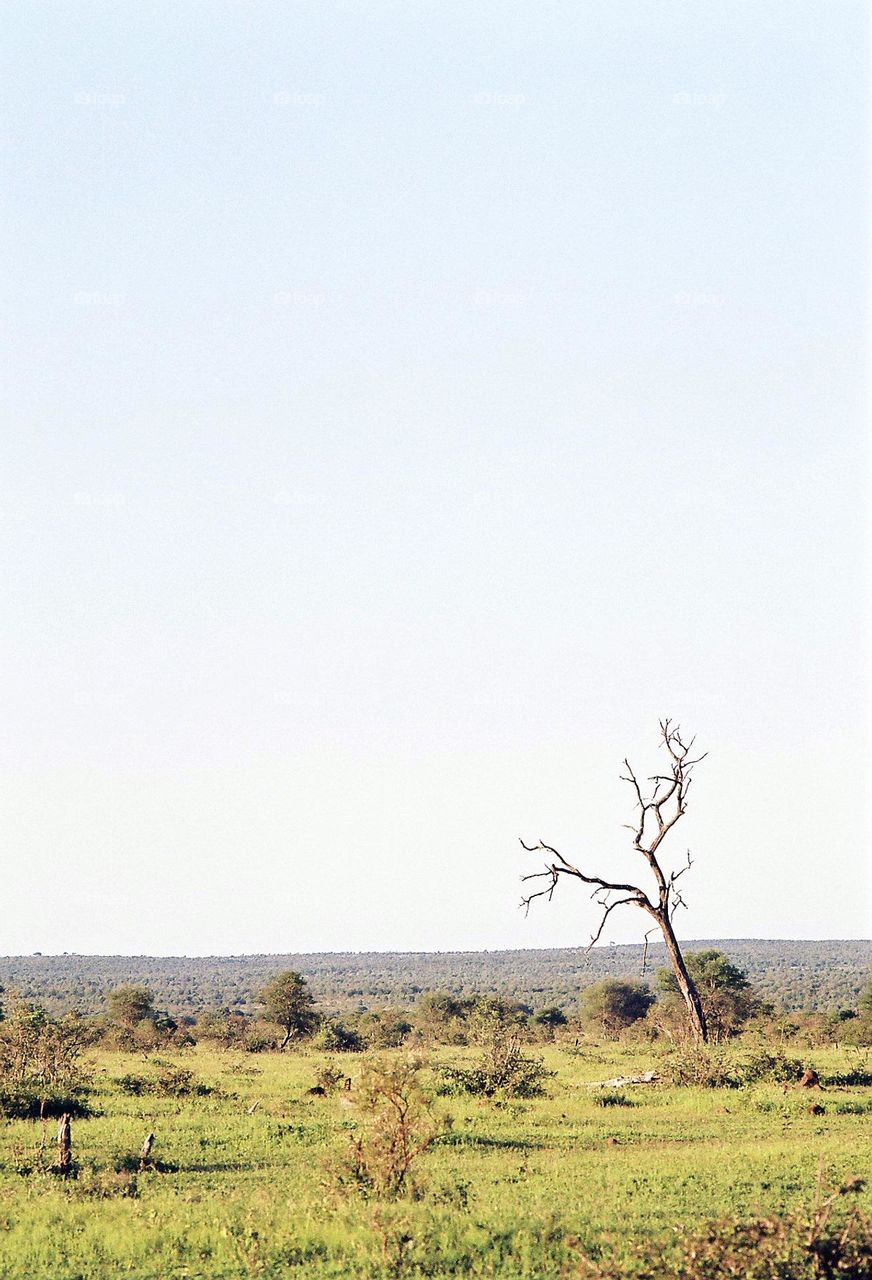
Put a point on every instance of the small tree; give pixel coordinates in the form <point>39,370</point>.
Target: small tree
<point>289,1003</point>
<point>658,814</point>
<point>613,1004</point>
<point>129,1005</point>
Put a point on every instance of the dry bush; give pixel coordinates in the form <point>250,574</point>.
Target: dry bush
<point>397,1125</point>
<point>329,1079</point>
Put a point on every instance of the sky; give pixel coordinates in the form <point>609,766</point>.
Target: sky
<point>406,406</point>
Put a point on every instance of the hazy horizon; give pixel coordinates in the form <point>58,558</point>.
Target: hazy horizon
<point>653,943</point>
<point>407,408</point>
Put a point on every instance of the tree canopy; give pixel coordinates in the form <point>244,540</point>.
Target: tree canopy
<point>289,1003</point>
<point>613,1004</point>
<point>724,989</point>
<point>129,1005</point>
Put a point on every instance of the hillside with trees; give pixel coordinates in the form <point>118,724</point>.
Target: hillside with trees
<point>792,976</point>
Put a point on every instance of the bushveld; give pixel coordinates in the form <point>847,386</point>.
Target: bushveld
<point>248,1174</point>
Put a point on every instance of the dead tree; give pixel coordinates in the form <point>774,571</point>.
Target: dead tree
<point>657,816</point>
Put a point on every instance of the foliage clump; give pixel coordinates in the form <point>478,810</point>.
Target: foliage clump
<point>712,1068</point>
<point>612,1005</point>
<point>728,1000</point>
<point>328,1079</point>
<point>170,1081</point>
<point>704,1068</point>
<point>772,1066</point>
<point>41,1068</point>
<point>334,1037</point>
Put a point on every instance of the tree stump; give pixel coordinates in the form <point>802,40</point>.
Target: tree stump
<point>65,1146</point>
<point>146,1151</point>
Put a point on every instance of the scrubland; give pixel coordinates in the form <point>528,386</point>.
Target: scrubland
<point>249,1171</point>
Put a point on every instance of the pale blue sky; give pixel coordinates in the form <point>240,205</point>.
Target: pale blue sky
<point>406,405</point>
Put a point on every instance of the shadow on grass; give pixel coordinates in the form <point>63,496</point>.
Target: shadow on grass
<point>455,1139</point>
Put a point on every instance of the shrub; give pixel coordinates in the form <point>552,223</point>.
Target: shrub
<point>169,1082</point>
<point>610,1098</point>
<point>383,1029</point>
<point>41,1068</point>
<point>23,1103</point>
<point>222,1027</point>
<point>859,1075</point>
<point>329,1078</point>
<point>260,1037</point>
<point>398,1126</point>
<point>523,1080</point>
<point>333,1037</point>
<point>766,1065</point>
<point>502,1067</point>
<point>854,1108</point>
<point>133,1084</point>
<point>613,1004</point>
<point>128,1006</point>
<point>705,1068</point>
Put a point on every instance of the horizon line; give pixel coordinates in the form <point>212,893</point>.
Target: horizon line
<point>246,955</point>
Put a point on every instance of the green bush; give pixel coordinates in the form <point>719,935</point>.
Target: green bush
<point>397,1127</point>
<point>23,1103</point>
<point>711,1068</point>
<point>766,1065</point>
<point>705,1068</point>
<point>333,1037</point>
<point>169,1082</point>
<point>518,1076</point>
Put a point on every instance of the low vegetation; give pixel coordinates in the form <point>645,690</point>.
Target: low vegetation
<point>267,1173</point>
<point>458,1135</point>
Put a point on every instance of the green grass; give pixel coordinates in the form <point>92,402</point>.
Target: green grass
<point>503,1195</point>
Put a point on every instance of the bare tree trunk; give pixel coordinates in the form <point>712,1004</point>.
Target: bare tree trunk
<point>686,986</point>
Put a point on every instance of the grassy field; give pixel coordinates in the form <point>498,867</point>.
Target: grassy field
<point>515,1188</point>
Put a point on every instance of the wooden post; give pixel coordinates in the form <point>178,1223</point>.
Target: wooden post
<point>65,1145</point>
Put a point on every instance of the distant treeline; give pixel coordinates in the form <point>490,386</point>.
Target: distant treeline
<point>790,975</point>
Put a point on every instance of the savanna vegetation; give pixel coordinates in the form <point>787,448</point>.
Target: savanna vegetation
<point>793,976</point>
<point>453,1135</point>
